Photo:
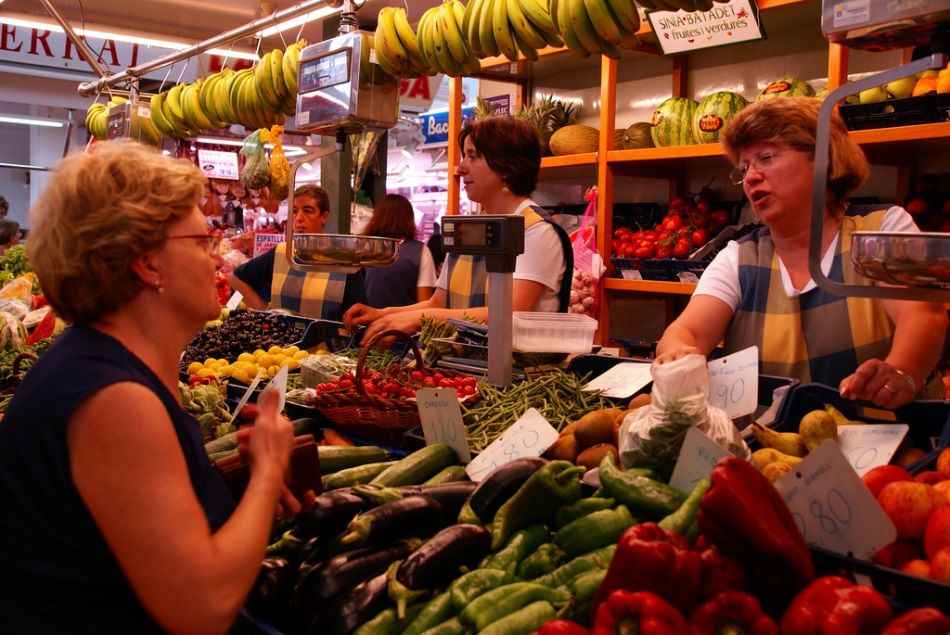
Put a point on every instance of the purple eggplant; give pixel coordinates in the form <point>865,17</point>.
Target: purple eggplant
<point>450,495</point>
<point>497,488</point>
<point>410,516</point>
<point>331,513</point>
<point>357,606</point>
<point>440,559</point>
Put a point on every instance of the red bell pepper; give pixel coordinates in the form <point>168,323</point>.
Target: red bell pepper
<point>923,621</point>
<point>720,573</point>
<point>638,612</point>
<point>562,627</point>
<point>43,329</point>
<point>832,605</point>
<point>744,516</point>
<point>649,558</point>
<point>732,612</point>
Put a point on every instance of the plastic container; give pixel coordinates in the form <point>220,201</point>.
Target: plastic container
<point>889,113</point>
<point>538,332</point>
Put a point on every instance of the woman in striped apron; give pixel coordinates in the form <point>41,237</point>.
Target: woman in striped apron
<point>758,290</point>
<point>501,157</point>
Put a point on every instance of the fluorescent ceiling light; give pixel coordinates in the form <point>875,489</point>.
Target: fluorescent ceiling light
<point>123,37</point>
<point>319,14</point>
<point>29,121</point>
<point>289,150</point>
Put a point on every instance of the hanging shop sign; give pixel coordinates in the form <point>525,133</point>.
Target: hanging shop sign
<point>435,126</point>
<point>31,47</point>
<point>500,104</point>
<point>416,94</point>
<point>218,165</point>
<point>729,23</point>
<point>265,242</point>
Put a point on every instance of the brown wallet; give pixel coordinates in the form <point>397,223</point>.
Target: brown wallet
<point>304,474</point>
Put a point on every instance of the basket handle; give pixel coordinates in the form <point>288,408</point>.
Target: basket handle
<point>399,335</point>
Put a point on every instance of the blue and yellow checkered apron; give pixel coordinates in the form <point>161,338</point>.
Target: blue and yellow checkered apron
<point>312,294</point>
<point>467,278</point>
<point>816,336</point>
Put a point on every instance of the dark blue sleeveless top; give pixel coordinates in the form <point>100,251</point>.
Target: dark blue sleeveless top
<point>396,284</point>
<point>57,575</point>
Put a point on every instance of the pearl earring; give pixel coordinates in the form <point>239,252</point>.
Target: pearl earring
<point>505,189</point>
<point>159,286</point>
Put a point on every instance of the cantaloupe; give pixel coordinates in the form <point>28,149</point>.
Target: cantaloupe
<point>574,139</point>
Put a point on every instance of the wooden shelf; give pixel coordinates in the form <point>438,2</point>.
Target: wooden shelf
<point>649,286</point>
<point>569,160</point>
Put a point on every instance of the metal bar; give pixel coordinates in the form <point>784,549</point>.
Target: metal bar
<point>78,41</point>
<point>23,166</point>
<point>223,39</point>
<point>500,288</point>
<point>820,186</point>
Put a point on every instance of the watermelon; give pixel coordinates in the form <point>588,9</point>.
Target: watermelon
<point>713,113</point>
<point>673,122</point>
<point>787,87</point>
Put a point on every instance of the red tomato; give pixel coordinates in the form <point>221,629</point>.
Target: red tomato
<point>663,251</point>
<point>677,202</point>
<point>418,375</point>
<point>648,235</point>
<point>629,250</point>
<point>665,236</point>
<point>646,252</point>
<point>672,222</point>
<point>719,218</point>
<point>445,382</point>
<point>699,237</point>
<point>681,249</point>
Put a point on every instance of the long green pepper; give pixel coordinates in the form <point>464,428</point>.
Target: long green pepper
<point>521,544</point>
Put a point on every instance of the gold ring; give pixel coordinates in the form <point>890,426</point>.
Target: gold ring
<point>889,388</point>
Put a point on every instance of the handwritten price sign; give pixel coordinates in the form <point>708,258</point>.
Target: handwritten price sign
<point>441,420</point>
<point>622,380</point>
<point>832,507</point>
<point>697,457</point>
<point>734,382</point>
<point>871,445</point>
<point>530,435</point>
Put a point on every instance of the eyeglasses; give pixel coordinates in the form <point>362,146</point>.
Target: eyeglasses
<point>762,163</point>
<point>212,239</point>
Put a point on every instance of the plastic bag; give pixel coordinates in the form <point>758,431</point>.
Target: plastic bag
<point>652,436</point>
<point>255,174</point>
<point>279,166</point>
<point>588,267</point>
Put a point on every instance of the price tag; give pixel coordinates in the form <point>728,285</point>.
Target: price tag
<point>530,435</point>
<point>246,395</point>
<point>234,300</point>
<point>734,382</point>
<point>442,420</point>
<point>697,457</point>
<point>832,507</point>
<point>870,445</point>
<point>631,274</point>
<point>622,380</point>
<point>279,385</point>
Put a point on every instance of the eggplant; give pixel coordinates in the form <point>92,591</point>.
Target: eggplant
<point>271,591</point>
<point>357,606</point>
<point>340,573</point>
<point>450,495</point>
<point>412,515</point>
<point>331,513</point>
<point>498,487</point>
<point>439,560</point>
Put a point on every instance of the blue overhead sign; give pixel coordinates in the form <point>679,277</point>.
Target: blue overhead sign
<point>435,126</point>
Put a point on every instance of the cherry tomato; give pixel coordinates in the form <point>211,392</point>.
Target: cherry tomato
<point>429,382</point>
<point>699,237</point>
<point>677,202</point>
<point>345,382</point>
<point>469,381</point>
<point>469,389</point>
<point>680,249</point>
<point>663,251</point>
<point>630,250</point>
<point>417,375</point>
<point>445,382</point>
<point>437,377</point>
<point>645,252</point>
<point>673,222</point>
<point>719,218</point>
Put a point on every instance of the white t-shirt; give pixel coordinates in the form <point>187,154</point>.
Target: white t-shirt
<point>721,277</point>
<point>542,262</point>
<point>427,277</point>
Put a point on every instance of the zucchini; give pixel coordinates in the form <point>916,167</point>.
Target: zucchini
<point>418,467</point>
<point>229,442</point>
<point>451,474</point>
<point>334,458</point>
<point>358,475</point>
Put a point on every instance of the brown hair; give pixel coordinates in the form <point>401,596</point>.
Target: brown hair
<point>8,229</point>
<point>792,121</point>
<point>315,192</point>
<point>100,211</point>
<point>393,218</point>
<point>511,148</point>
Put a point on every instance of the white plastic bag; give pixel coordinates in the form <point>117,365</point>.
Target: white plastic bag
<point>652,436</point>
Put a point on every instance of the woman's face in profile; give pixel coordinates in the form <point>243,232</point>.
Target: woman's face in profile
<point>479,180</point>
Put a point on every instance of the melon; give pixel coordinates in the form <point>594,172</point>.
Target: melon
<point>822,92</point>
<point>574,139</point>
<point>672,123</point>
<point>638,136</point>
<point>787,87</point>
<point>712,114</point>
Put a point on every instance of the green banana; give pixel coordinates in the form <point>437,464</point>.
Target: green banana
<point>626,14</point>
<point>262,75</point>
<point>277,74</point>
<point>603,19</point>
<point>567,29</point>
<point>502,30</point>
<point>173,101</point>
<point>485,30</point>
<point>472,28</point>
<point>583,28</point>
<point>158,117</point>
<point>451,35</point>
<point>529,52</point>
<point>523,28</point>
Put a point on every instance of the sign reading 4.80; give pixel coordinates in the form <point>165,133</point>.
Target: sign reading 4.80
<point>530,435</point>
<point>832,507</point>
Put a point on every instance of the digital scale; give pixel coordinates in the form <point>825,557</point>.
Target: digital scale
<point>500,240</point>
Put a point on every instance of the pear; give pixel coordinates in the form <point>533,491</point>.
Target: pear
<point>840,417</point>
<point>901,88</point>
<point>770,455</point>
<point>872,95</point>
<point>786,442</point>
<point>816,427</point>
<point>776,470</point>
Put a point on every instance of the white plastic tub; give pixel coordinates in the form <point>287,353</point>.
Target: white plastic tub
<point>537,332</point>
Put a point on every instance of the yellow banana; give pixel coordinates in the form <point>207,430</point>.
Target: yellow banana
<point>530,53</point>
<point>467,17</point>
<point>540,14</point>
<point>265,84</point>
<point>555,15</point>
<point>626,13</point>
<point>523,28</point>
<point>583,29</point>
<point>384,65</point>
<point>222,96</point>
<point>424,38</point>
<point>387,42</point>
<point>147,132</point>
<point>485,31</point>
<point>407,37</point>
<point>447,63</point>
<point>158,117</point>
<point>189,106</point>
<point>234,96</point>
<point>603,19</point>
<point>91,112</point>
<point>277,74</point>
<point>288,65</point>
<point>206,97</point>
<point>502,30</point>
<point>173,101</point>
<point>473,11</point>
<point>451,35</point>
<point>567,29</point>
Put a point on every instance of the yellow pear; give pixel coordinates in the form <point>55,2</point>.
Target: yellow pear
<point>816,427</point>
<point>786,442</point>
<point>770,455</point>
<point>774,471</point>
<point>840,417</point>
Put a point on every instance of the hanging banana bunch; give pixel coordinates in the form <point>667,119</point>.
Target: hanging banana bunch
<point>599,27</point>
<point>509,27</point>
<point>675,5</point>
<point>142,128</point>
<point>397,50</point>
<point>442,43</point>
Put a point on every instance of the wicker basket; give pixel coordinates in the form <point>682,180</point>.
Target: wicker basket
<point>373,417</point>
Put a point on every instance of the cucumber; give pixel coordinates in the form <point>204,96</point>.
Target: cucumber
<point>418,467</point>
<point>451,474</point>
<point>334,458</point>
<point>357,475</point>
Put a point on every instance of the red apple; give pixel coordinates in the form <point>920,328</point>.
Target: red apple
<point>878,477</point>
<point>898,553</point>
<point>908,505</point>
<point>937,531</point>
<point>943,462</point>
<point>918,567</point>
<point>940,565</point>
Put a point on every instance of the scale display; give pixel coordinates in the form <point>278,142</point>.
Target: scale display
<point>328,70</point>
<point>483,235</point>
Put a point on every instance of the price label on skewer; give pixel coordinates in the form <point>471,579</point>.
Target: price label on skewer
<point>530,435</point>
